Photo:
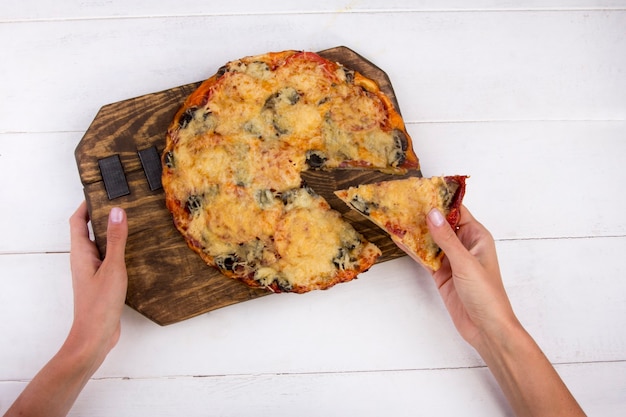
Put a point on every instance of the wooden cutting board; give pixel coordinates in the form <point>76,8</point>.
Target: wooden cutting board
<point>167,282</point>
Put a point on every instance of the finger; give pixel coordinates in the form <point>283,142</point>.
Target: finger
<point>466,216</point>
<point>84,257</point>
<point>445,236</point>
<point>471,232</point>
<point>78,222</point>
<point>117,233</point>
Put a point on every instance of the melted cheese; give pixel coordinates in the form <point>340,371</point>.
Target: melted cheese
<point>307,242</point>
<point>400,208</point>
<point>236,162</point>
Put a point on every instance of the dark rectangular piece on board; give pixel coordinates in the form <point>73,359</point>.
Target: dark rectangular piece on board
<point>151,163</point>
<point>113,176</point>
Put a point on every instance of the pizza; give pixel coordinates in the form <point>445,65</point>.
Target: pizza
<point>234,156</point>
<point>400,208</point>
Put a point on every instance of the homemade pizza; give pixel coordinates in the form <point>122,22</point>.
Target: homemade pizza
<point>400,208</point>
<point>234,156</point>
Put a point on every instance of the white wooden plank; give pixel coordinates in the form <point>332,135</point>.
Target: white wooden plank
<point>41,187</point>
<point>382,344</point>
<point>566,292</point>
<point>530,65</point>
<point>558,294</point>
<point>570,167</point>
<point>599,388</point>
<point>534,180</point>
<point>76,9</point>
<point>36,307</point>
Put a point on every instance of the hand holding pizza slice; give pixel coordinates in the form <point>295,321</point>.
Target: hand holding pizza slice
<point>400,208</point>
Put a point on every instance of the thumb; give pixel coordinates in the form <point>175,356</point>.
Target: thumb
<point>117,233</point>
<point>444,235</point>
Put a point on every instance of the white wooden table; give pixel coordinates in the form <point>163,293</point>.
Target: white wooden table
<point>530,100</point>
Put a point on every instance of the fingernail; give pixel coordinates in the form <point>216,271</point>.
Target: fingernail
<point>116,215</point>
<point>436,217</point>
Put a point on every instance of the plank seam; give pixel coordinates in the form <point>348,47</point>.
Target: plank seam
<point>317,12</point>
<point>314,373</point>
<point>549,238</point>
<point>408,122</point>
<point>524,239</point>
<point>488,121</point>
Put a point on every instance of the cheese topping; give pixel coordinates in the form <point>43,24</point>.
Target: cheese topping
<point>400,207</point>
<point>234,157</point>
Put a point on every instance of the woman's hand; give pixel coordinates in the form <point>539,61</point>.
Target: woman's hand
<point>99,286</point>
<point>470,285</point>
<point>469,279</point>
<point>99,295</point>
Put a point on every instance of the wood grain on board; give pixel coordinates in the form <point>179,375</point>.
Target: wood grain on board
<point>167,281</point>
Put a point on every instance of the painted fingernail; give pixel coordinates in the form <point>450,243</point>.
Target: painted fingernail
<point>436,217</point>
<point>117,215</point>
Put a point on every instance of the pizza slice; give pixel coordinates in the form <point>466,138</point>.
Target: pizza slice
<point>400,208</point>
